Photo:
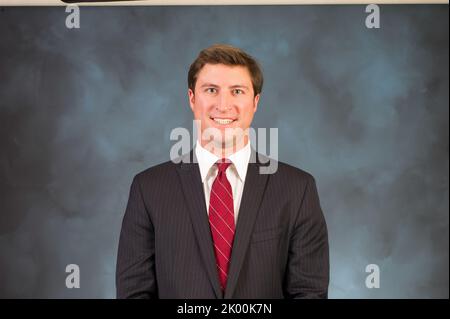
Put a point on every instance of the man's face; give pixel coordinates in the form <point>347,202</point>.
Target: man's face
<point>224,99</point>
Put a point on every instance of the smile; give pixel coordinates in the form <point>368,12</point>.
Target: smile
<point>223,121</point>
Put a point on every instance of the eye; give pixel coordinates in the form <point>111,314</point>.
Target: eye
<point>211,90</point>
<point>238,91</point>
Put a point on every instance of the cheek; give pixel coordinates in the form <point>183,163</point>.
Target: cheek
<point>248,119</point>
<point>203,106</point>
<point>247,112</point>
<point>198,109</point>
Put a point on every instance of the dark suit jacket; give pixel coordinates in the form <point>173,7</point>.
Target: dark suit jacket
<point>280,248</point>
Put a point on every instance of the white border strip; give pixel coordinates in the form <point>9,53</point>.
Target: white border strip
<point>214,2</point>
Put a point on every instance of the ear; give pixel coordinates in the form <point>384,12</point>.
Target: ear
<point>255,101</point>
<point>191,99</point>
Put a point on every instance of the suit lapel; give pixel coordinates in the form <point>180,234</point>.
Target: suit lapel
<point>193,190</point>
<point>255,184</point>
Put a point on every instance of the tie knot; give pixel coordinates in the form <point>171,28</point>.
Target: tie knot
<point>223,164</point>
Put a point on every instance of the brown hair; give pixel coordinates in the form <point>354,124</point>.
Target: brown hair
<point>228,55</point>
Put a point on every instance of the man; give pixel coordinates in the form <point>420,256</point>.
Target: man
<point>211,225</point>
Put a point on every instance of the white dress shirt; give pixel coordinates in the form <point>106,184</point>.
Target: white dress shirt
<point>236,173</point>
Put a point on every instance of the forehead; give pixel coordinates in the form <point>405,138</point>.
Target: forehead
<point>221,74</point>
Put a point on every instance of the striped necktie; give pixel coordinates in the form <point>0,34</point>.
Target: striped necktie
<point>221,220</point>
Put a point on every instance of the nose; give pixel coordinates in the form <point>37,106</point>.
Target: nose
<point>223,103</point>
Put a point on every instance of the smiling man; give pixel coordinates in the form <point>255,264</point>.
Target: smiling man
<point>211,225</point>
<point>224,98</point>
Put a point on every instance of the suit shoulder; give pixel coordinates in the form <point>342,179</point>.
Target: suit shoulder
<point>284,170</point>
<point>292,173</point>
<point>158,172</point>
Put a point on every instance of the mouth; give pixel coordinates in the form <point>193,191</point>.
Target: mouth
<point>223,121</point>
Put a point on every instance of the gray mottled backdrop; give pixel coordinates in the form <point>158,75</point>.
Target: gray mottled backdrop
<point>364,110</point>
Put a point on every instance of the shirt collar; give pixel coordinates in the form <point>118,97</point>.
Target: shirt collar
<point>206,160</point>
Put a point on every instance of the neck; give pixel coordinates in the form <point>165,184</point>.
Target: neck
<point>224,150</point>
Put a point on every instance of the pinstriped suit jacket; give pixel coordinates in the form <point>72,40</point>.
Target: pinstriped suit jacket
<point>280,248</point>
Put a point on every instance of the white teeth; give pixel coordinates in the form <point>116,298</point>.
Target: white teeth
<point>223,121</point>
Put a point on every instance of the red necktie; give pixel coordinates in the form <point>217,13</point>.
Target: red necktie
<point>221,220</point>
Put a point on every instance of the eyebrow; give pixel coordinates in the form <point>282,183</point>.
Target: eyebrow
<point>231,87</point>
